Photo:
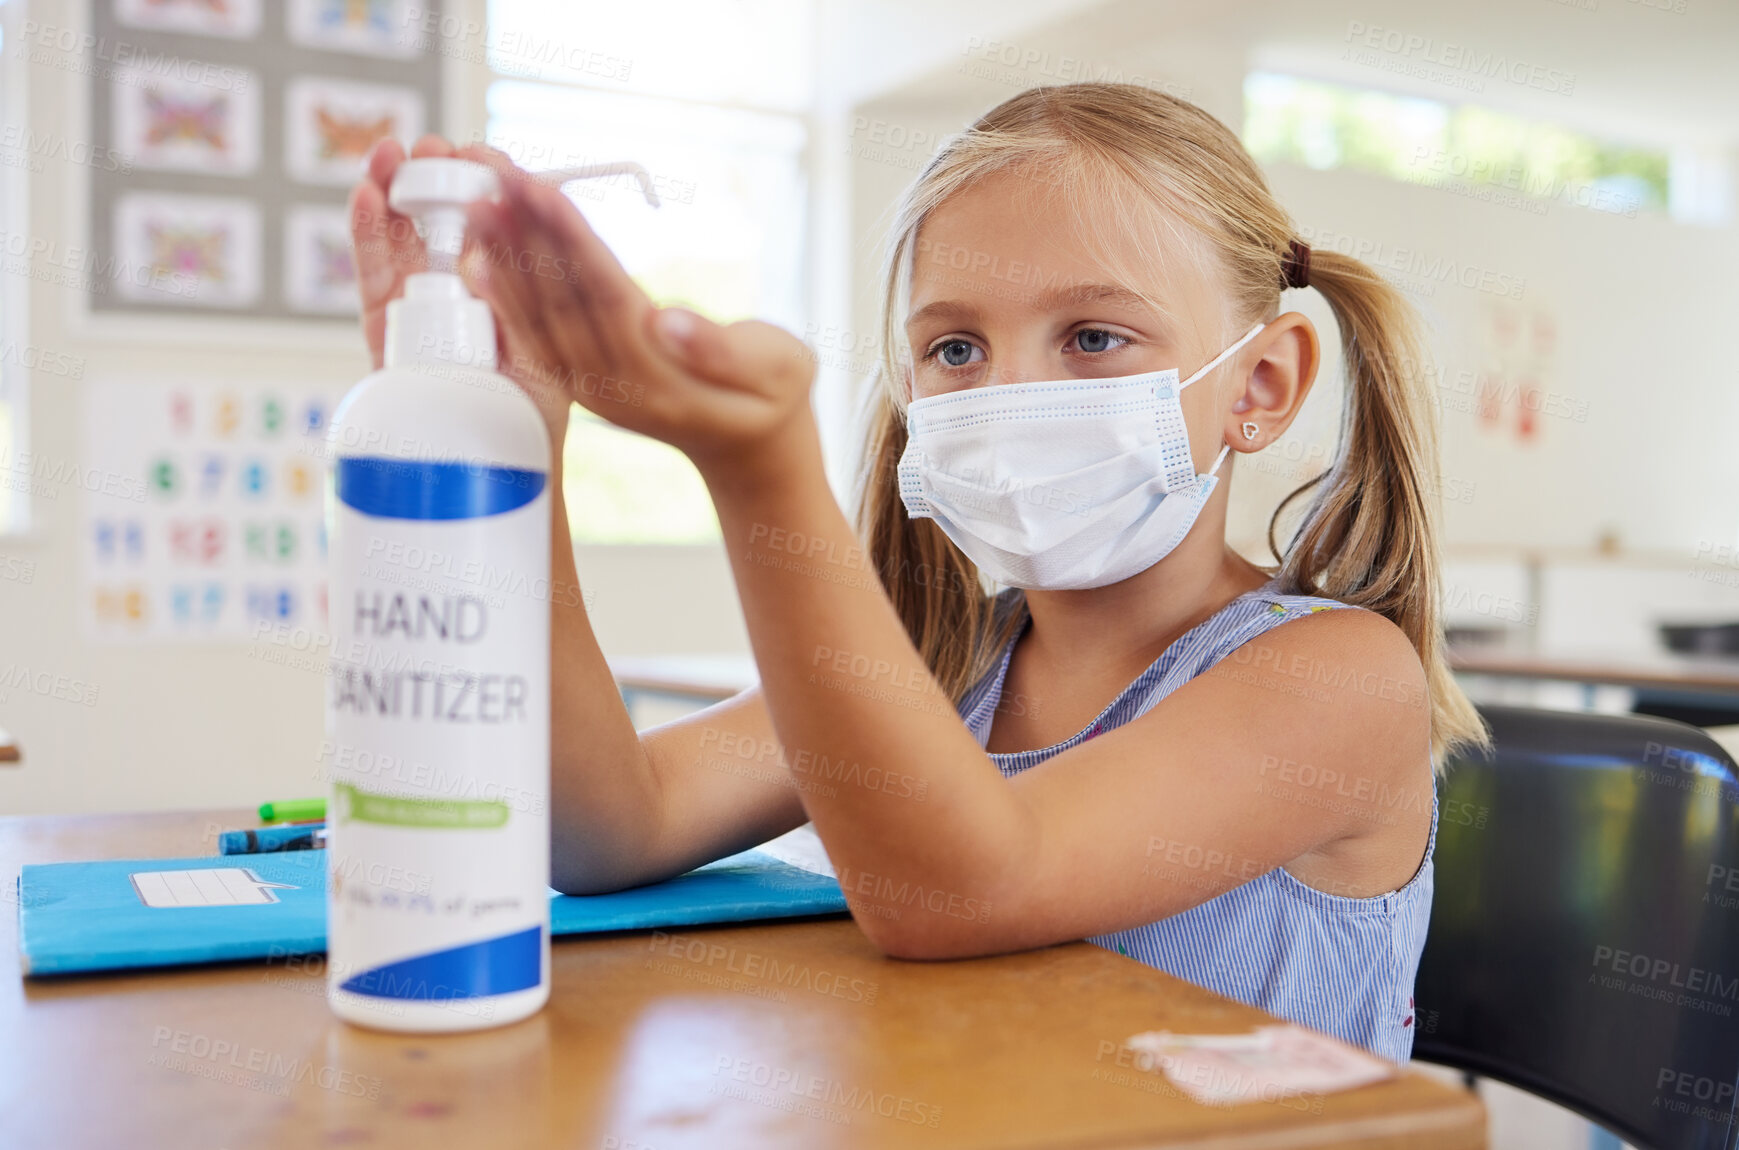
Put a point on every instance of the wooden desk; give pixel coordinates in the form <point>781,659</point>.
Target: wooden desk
<point>1697,689</point>
<point>637,1052</point>
<point>1687,673</point>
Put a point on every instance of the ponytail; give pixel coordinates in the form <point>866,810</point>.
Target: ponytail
<point>1369,533</point>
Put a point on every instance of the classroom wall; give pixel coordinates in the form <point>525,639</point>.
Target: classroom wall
<point>1641,309</point>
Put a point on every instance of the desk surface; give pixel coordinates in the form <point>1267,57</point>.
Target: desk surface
<point>713,677</point>
<point>1686,672</point>
<point>639,1050</point>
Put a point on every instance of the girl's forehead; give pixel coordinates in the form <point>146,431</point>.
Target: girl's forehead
<point>1000,219</point>
<point>1008,242</point>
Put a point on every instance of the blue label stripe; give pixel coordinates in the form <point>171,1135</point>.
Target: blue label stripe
<point>411,489</point>
<point>493,966</point>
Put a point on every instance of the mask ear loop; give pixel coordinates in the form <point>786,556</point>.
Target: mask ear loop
<point>1225,448</point>
<point>1222,357</point>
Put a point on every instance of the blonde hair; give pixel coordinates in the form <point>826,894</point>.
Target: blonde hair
<point>1368,536</point>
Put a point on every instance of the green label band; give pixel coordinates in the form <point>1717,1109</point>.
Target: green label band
<point>397,811</point>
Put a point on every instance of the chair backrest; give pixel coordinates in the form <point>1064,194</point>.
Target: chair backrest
<point>1584,941</point>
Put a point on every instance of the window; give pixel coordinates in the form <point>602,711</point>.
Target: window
<point>1466,149</point>
<point>716,116</point>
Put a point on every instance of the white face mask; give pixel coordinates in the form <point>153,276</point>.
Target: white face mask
<point>1059,485</point>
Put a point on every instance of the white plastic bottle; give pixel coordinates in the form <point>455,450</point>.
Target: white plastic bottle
<point>438,699</point>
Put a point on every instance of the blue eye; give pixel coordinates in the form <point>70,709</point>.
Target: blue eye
<point>1094,339</point>
<point>955,352</point>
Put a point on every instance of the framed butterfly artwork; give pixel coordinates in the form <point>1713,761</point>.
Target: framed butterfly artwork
<point>319,268</point>
<point>390,28</point>
<point>244,124</point>
<point>232,19</point>
<point>168,123</point>
<point>186,251</point>
<point>330,125</point>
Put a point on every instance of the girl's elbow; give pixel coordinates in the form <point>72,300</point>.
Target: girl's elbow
<point>577,881</point>
<point>920,942</point>
<point>590,875</point>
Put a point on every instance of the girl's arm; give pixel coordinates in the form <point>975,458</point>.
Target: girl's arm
<point>631,808</point>
<point>1200,795</point>
<point>938,854</point>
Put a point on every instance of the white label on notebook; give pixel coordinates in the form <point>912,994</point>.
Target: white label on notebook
<point>212,886</point>
<point>802,849</point>
<point>1269,1064</point>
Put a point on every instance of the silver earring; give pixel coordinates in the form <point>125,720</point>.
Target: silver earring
<point>1250,430</point>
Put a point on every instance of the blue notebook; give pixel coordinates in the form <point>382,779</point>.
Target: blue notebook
<point>123,914</point>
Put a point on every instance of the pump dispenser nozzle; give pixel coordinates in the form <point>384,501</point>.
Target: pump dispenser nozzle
<point>437,320</point>
<point>434,192</point>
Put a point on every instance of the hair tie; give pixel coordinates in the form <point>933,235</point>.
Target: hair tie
<point>1295,266</point>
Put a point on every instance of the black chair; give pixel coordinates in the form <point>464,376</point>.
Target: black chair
<point>1584,940</point>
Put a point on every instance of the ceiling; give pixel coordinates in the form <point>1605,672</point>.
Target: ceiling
<point>1624,69</point>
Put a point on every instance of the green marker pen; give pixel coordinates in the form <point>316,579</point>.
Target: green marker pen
<point>292,811</point>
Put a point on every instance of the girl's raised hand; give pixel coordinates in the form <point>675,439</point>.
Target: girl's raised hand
<point>575,320</point>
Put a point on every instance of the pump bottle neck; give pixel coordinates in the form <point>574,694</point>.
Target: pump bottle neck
<point>437,322</point>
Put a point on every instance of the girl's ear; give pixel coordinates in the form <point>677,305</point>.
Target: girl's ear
<point>1289,355</point>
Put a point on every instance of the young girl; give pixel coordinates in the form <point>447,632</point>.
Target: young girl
<point>1145,740</point>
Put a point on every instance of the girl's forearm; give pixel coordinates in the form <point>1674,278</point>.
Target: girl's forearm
<point>901,792</point>
<point>604,805</point>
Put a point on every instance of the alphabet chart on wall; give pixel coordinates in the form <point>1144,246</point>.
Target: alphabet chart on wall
<point>203,512</point>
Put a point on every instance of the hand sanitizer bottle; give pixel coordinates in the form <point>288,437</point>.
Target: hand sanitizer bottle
<point>438,853</point>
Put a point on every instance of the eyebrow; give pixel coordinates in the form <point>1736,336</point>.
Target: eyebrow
<point>1065,296</point>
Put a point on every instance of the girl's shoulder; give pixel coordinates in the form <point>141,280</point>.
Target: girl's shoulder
<point>1277,627</point>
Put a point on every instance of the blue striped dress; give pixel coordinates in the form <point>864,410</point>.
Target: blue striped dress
<point>1344,966</point>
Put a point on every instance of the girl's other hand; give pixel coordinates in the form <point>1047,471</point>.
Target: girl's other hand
<point>721,394</point>
<point>385,244</point>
